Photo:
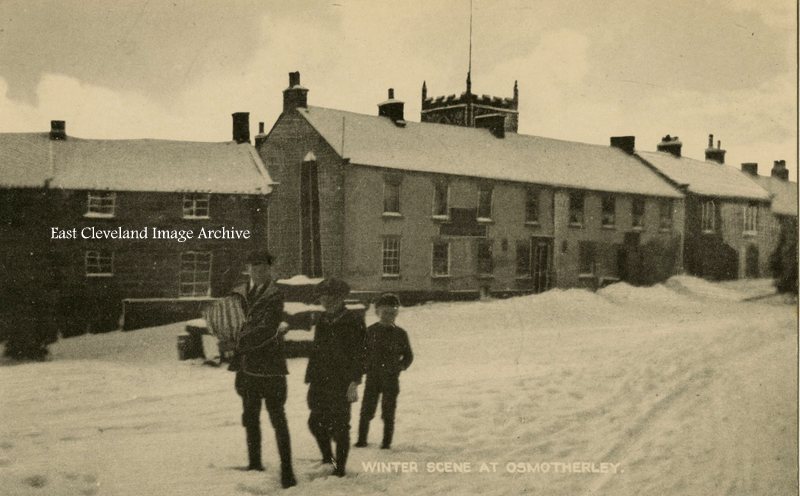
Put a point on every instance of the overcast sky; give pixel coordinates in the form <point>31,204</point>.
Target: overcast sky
<point>587,69</point>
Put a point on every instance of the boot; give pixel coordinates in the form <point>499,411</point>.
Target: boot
<point>363,431</point>
<point>342,450</point>
<point>254,448</point>
<point>324,448</point>
<point>285,454</point>
<point>388,433</point>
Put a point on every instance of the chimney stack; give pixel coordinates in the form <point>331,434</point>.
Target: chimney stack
<point>750,168</point>
<point>780,171</point>
<point>393,109</point>
<point>241,127</point>
<point>295,96</point>
<point>715,154</point>
<point>670,144</point>
<point>58,130</point>
<point>624,143</point>
<point>496,123</point>
<point>261,137</point>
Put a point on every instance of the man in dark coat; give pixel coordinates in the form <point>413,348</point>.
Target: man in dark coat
<point>388,352</point>
<point>262,366</point>
<point>334,372</point>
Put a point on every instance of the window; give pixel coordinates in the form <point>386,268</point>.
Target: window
<point>391,256</point>
<point>391,196</point>
<point>195,276</point>
<point>609,211</point>
<point>195,206</point>
<point>751,219</point>
<point>485,263</point>
<point>586,262</point>
<point>576,208</point>
<point>524,258</point>
<point>99,263</point>
<point>484,202</point>
<point>708,216</point>
<point>440,196</point>
<point>441,259</point>
<point>532,206</point>
<point>101,204</point>
<point>637,213</point>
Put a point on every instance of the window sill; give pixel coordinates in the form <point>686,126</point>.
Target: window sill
<point>98,215</point>
<point>390,276</point>
<point>668,229</point>
<point>100,275</point>
<point>586,276</point>
<point>609,227</point>
<point>485,276</point>
<point>532,223</point>
<point>523,278</point>
<point>196,217</point>
<point>197,298</point>
<point>441,218</point>
<point>637,228</point>
<point>441,277</point>
<point>750,234</point>
<point>392,215</point>
<point>484,220</point>
<point>576,225</point>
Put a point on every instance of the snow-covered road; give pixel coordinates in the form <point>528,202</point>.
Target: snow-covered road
<point>676,389</point>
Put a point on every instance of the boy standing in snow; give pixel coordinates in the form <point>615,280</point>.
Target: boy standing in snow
<point>261,376</point>
<point>388,353</point>
<point>334,372</point>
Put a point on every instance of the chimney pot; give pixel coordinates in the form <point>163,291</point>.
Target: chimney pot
<point>711,141</point>
<point>241,127</point>
<point>58,130</point>
<point>295,95</point>
<point>780,171</point>
<point>260,128</point>
<point>393,109</point>
<point>624,143</point>
<point>391,93</point>
<point>715,154</point>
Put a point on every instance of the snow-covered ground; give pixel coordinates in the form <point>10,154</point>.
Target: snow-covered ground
<point>681,388</point>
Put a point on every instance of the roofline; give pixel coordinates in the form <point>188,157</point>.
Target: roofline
<point>679,195</point>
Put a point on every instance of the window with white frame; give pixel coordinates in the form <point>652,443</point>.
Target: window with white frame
<point>485,202</point>
<point>637,213</point>
<point>101,204</point>
<point>195,275</point>
<point>665,215</point>
<point>608,217</point>
<point>391,256</point>
<point>440,200</point>
<point>751,218</point>
<point>708,216</point>
<point>532,205</point>
<point>99,263</point>
<point>441,259</point>
<point>391,196</point>
<point>576,208</point>
<point>196,205</point>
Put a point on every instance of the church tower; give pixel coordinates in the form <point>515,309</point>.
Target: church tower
<point>469,109</point>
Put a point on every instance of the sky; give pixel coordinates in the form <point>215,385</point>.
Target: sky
<point>587,70</point>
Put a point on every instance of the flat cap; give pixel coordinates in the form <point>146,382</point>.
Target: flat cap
<point>387,300</point>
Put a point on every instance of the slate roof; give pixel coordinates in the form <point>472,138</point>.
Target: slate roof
<point>784,194</point>
<point>34,160</point>
<point>446,149</point>
<point>705,177</point>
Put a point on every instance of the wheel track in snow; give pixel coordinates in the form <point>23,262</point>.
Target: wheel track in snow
<point>656,415</point>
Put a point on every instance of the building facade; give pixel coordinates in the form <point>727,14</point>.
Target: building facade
<point>441,210</point>
<point>159,225</point>
<point>727,224</point>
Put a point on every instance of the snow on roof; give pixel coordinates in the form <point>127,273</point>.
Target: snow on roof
<point>704,177</point>
<point>446,149</point>
<point>784,194</point>
<point>29,160</point>
<point>300,280</point>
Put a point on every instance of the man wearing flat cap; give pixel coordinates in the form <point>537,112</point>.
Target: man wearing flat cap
<point>334,372</point>
<point>261,376</point>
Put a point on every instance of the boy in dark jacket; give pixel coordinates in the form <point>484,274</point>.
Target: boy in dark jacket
<point>334,372</point>
<point>261,376</point>
<point>388,353</point>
